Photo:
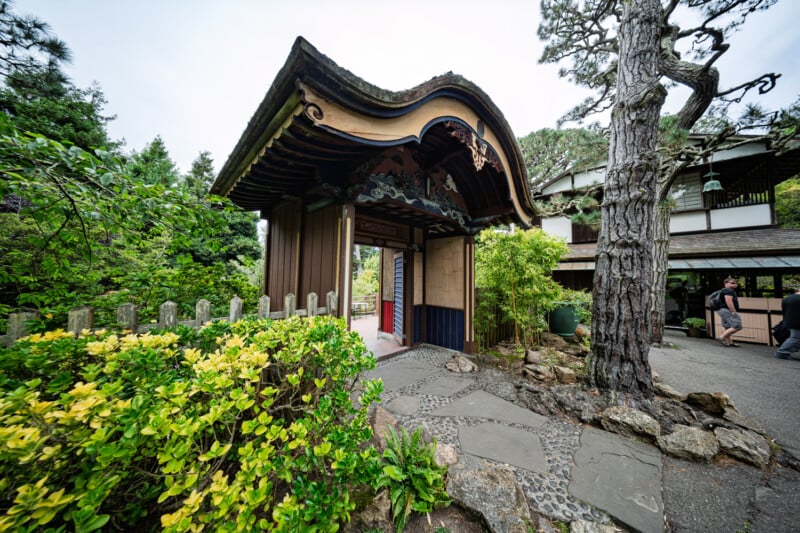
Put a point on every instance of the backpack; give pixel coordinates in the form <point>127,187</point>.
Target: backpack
<point>715,300</point>
<point>780,332</point>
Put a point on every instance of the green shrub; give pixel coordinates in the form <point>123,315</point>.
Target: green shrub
<point>257,430</point>
<point>692,322</point>
<point>414,480</point>
<point>514,272</point>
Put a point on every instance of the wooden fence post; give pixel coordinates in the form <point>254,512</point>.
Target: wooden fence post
<point>236,309</point>
<point>17,327</point>
<point>332,302</point>
<point>289,305</point>
<point>263,307</point>
<point>312,302</point>
<point>168,315</point>
<point>128,317</point>
<point>79,319</point>
<point>202,313</point>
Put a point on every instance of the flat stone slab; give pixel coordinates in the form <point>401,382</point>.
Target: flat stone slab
<point>402,373</point>
<point>504,444</point>
<point>446,385</point>
<point>481,404</point>
<point>621,477</point>
<point>404,405</point>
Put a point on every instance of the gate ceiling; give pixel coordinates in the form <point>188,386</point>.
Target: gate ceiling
<point>439,156</point>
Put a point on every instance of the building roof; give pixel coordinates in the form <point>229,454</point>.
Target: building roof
<point>319,125</point>
<point>748,243</point>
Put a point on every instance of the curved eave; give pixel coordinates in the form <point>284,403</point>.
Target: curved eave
<point>283,106</point>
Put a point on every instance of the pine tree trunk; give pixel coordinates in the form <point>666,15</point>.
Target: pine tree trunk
<point>624,272</point>
<point>660,270</point>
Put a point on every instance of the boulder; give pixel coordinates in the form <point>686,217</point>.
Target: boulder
<point>461,364</point>
<point>565,375</point>
<point>492,491</point>
<point>664,390</point>
<point>539,372</point>
<point>744,445</point>
<point>689,443</point>
<point>713,403</point>
<point>376,516</point>
<point>629,422</point>
<point>734,416</point>
<point>554,341</point>
<point>381,420</point>
<point>534,357</point>
<point>445,455</point>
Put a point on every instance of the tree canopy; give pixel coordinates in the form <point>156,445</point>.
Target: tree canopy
<point>82,222</point>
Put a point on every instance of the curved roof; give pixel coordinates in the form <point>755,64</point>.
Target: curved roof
<point>321,131</point>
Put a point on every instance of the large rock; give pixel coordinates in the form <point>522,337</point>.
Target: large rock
<point>381,420</point>
<point>662,389</point>
<point>376,516</point>
<point>554,341</point>
<point>534,357</point>
<point>713,403</point>
<point>539,372</point>
<point>492,491</point>
<point>629,422</point>
<point>461,364</point>
<point>560,400</point>
<point>565,375</point>
<point>734,416</point>
<point>744,445</point>
<point>689,443</point>
<point>445,455</point>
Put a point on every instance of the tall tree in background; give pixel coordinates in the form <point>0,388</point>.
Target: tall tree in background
<point>153,165</point>
<point>201,175</point>
<point>37,96</point>
<point>80,223</point>
<point>237,239</point>
<point>27,44</point>
<point>621,50</point>
<point>548,153</point>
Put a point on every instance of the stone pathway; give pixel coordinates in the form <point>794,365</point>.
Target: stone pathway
<point>567,472</point>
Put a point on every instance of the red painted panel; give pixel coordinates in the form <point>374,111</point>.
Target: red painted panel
<point>387,316</point>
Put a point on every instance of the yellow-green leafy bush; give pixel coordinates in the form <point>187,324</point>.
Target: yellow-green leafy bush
<point>239,427</point>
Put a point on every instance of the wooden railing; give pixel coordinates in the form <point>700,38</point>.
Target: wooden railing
<point>758,315</point>
<point>82,318</point>
<point>364,304</point>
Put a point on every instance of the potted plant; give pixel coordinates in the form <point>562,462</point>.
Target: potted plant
<point>696,327</point>
<point>572,308</point>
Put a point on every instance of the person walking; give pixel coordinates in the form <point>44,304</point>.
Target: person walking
<point>790,306</point>
<point>729,312</point>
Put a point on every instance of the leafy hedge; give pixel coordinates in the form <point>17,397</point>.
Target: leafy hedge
<point>234,427</point>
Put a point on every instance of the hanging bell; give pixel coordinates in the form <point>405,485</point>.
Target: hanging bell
<point>713,183</point>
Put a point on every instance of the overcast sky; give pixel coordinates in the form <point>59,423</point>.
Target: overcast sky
<point>194,71</point>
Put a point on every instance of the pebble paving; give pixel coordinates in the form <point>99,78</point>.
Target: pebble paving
<point>546,491</point>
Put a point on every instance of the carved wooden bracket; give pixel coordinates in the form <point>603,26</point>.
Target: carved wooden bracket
<point>482,153</point>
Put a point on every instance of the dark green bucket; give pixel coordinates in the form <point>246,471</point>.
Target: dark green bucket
<point>563,320</point>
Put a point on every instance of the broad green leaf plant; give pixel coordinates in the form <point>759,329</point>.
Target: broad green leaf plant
<point>410,473</point>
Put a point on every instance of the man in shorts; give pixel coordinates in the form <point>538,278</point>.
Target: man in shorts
<point>729,312</point>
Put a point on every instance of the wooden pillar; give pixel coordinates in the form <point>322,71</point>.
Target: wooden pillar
<point>408,298</point>
<point>469,295</point>
<point>345,262</point>
<point>266,256</point>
